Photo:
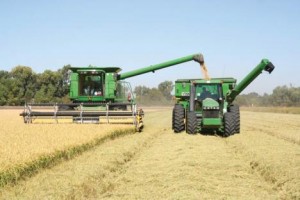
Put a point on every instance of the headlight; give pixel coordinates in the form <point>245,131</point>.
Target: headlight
<point>211,108</point>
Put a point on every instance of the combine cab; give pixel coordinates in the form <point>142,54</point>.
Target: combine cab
<point>99,95</point>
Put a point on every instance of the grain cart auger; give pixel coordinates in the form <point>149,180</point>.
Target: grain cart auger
<point>99,93</point>
<point>206,106</point>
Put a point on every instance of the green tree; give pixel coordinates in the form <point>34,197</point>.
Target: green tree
<point>23,81</point>
<point>286,96</point>
<point>141,94</point>
<point>281,96</point>
<point>4,87</point>
<point>23,85</point>
<point>295,96</point>
<point>154,96</point>
<point>64,74</point>
<point>141,90</point>
<point>45,94</point>
<point>166,88</point>
<point>52,86</point>
<point>251,99</point>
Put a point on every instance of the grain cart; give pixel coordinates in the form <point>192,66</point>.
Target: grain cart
<point>99,92</point>
<point>206,105</point>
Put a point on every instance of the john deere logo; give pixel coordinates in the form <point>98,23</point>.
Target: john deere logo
<point>185,94</point>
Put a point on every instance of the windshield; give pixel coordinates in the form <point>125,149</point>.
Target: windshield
<point>91,85</point>
<point>204,91</point>
<point>124,91</point>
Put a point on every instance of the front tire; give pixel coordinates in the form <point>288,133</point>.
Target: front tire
<point>192,123</point>
<point>235,110</point>
<point>178,118</point>
<point>173,112</point>
<point>229,126</point>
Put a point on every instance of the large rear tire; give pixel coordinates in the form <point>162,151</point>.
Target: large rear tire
<point>178,118</point>
<point>235,110</point>
<point>192,123</point>
<point>229,125</point>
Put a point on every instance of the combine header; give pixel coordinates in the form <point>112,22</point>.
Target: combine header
<point>99,94</point>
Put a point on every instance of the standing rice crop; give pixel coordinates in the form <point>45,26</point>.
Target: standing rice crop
<point>27,147</point>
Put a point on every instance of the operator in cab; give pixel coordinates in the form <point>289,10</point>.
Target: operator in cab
<point>205,94</point>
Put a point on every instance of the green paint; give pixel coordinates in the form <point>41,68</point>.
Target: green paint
<point>153,68</point>
<point>101,84</point>
<point>214,97</point>
<point>248,79</point>
<point>212,122</point>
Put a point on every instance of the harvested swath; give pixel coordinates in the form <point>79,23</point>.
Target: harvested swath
<point>290,110</point>
<point>283,126</point>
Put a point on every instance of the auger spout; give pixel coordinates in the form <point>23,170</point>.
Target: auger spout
<point>265,65</point>
<point>152,68</point>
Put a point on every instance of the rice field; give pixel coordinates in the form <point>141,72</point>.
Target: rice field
<point>262,162</point>
<point>289,110</point>
<point>24,144</point>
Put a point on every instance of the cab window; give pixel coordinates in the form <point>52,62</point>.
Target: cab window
<point>91,85</point>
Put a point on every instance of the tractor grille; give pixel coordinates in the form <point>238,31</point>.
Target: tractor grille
<point>210,113</point>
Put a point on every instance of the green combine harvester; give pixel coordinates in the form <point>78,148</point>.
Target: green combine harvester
<point>206,105</point>
<point>97,94</point>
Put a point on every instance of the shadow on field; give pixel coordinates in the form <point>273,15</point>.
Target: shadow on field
<point>212,134</point>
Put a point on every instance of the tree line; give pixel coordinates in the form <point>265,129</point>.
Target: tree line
<point>281,96</point>
<point>22,85</point>
<point>285,96</point>
<point>155,96</point>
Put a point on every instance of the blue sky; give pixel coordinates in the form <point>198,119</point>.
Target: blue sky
<point>232,35</point>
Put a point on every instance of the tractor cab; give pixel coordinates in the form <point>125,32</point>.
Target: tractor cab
<point>93,84</point>
<point>208,90</point>
<point>207,97</point>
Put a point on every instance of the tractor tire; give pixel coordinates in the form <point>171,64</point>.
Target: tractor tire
<point>192,123</point>
<point>229,125</point>
<point>235,110</point>
<point>173,111</point>
<point>178,118</point>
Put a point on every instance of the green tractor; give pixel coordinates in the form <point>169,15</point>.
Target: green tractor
<point>99,93</point>
<point>206,105</point>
